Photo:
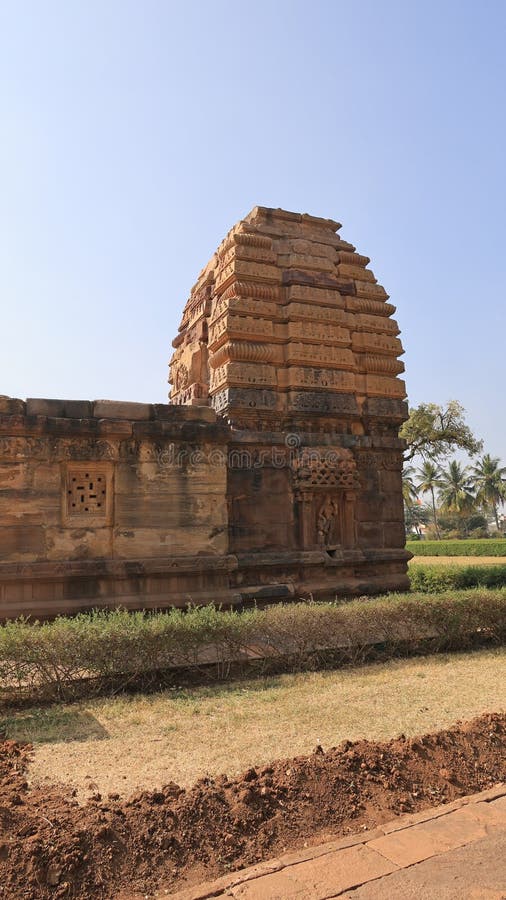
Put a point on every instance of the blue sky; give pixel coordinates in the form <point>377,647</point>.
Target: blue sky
<point>133,135</point>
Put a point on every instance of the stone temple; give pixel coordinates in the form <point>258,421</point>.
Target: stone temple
<point>274,472</point>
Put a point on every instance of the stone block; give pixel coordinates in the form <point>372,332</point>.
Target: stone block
<point>12,406</point>
<point>15,476</point>
<point>248,398</point>
<point>320,314</point>
<point>305,261</point>
<point>41,407</point>
<point>234,327</point>
<point>318,878</point>
<point>156,542</point>
<point>22,542</point>
<point>45,592</point>
<point>368,289</point>
<point>356,272</point>
<point>317,378</point>
<point>59,408</point>
<point>366,341</point>
<point>491,813</point>
<point>72,409</point>
<point>120,409</point>
<point>250,252</point>
<point>168,511</point>
<point>269,592</point>
<point>238,269</point>
<point>79,542</point>
<point>313,295</point>
<point>392,510</point>
<point>412,845</point>
<point>77,409</point>
<point>381,407</point>
<point>370,534</point>
<point>375,324</point>
<point>369,507</point>
<point>239,373</point>
<point>390,481</point>
<point>25,507</point>
<point>163,411</point>
<point>322,332</point>
<point>323,402</point>
<point>298,353</point>
<point>316,280</point>
<point>394,534</point>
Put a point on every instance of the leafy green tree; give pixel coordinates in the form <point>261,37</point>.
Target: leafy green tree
<point>430,481</point>
<point>453,525</point>
<point>489,483</point>
<point>415,516</point>
<point>455,492</point>
<point>434,431</point>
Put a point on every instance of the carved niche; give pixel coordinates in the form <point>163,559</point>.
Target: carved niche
<point>325,483</point>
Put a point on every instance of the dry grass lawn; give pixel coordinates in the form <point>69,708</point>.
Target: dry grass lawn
<point>457,561</point>
<point>125,743</point>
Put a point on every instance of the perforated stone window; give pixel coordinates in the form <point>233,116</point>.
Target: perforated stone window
<point>86,493</point>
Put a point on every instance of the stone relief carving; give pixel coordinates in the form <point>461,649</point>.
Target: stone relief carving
<point>380,460</point>
<point>181,377</point>
<point>315,401</point>
<point>56,448</point>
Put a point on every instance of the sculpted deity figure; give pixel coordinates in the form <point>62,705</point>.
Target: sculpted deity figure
<point>326,521</point>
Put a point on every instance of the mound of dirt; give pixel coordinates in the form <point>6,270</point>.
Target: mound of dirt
<point>51,847</point>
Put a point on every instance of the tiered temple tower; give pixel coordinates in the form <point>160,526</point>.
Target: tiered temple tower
<point>290,338</point>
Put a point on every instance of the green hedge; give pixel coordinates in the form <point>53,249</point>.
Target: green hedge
<point>487,547</point>
<point>437,578</point>
<point>116,650</point>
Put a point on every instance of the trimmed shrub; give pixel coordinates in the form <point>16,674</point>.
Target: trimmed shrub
<point>108,651</point>
<point>487,547</point>
<point>437,578</point>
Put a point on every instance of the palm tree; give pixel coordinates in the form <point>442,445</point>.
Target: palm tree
<point>489,482</point>
<point>456,493</point>
<point>411,502</point>
<point>430,475</point>
<point>409,490</point>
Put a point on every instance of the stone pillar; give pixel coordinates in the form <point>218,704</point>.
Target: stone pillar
<point>307,537</point>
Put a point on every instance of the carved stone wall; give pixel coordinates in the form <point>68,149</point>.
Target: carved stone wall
<point>110,503</point>
<point>275,471</point>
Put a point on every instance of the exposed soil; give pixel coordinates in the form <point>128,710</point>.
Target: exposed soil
<point>51,847</point>
<point>125,746</point>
